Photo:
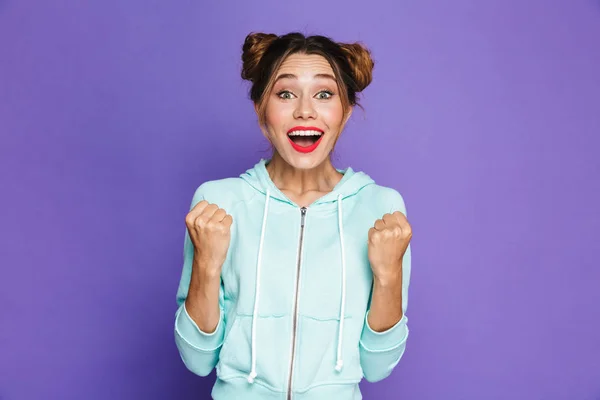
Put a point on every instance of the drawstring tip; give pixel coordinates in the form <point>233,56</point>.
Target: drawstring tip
<point>251,377</point>
<point>339,365</point>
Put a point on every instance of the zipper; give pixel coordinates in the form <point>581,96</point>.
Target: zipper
<point>295,317</point>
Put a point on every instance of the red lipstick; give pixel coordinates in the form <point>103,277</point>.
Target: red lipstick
<point>305,149</point>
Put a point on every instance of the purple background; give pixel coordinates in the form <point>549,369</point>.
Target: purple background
<point>485,115</point>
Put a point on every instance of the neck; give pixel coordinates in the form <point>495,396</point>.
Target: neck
<point>321,178</point>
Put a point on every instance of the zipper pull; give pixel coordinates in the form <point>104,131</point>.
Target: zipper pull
<point>303,213</point>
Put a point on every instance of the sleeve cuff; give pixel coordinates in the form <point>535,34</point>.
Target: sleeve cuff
<point>188,330</point>
<point>386,340</point>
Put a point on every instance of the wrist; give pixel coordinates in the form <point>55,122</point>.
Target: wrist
<point>207,268</point>
<point>204,280</point>
<point>391,278</point>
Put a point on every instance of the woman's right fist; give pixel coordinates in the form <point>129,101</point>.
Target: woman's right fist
<point>209,229</point>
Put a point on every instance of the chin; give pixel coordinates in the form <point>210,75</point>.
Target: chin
<point>305,161</point>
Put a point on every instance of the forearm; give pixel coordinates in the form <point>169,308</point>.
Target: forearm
<point>386,302</point>
<point>199,322</point>
<point>202,302</point>
<point>384,335</point>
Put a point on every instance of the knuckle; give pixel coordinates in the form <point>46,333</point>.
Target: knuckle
<point>211,226</point>
<point>200,222</point>
<point>201,205</point>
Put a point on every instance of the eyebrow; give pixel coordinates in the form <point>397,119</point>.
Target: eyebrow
<point>292,76</point>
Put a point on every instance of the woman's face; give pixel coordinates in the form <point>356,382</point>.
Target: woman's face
<point>304,114</point>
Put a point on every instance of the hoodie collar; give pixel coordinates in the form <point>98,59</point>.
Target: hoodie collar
<point>350,184</point>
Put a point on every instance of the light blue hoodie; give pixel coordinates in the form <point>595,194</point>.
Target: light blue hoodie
<point>290,275</point>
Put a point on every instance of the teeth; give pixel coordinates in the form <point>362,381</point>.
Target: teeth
<point>305,133</point>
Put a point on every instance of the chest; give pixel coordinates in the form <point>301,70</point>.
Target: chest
<point>300,257</point>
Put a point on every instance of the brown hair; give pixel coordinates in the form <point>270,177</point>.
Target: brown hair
<point>263,54</point>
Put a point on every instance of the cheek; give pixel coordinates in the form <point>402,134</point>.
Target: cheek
<point>277,114</point>
<point>332,113</point>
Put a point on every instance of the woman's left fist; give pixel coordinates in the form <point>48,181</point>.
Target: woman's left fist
<point>388,241</point>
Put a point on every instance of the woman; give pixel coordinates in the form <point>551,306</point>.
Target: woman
<point>296,274</point>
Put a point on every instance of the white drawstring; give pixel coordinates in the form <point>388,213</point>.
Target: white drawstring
<point>252,374</point>
<point>340,363</point>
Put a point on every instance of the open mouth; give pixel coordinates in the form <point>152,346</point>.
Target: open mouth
<point>305,140</point>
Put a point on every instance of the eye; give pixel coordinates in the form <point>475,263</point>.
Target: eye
<point>285,94</point>
<point>324,95</point>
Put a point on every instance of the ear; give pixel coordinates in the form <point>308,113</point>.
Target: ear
<point>262,128</point>
<point>348,115</point>
<point>257,115</point>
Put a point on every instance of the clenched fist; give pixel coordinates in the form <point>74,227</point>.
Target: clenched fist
<point>209,229</point>
<point>388,241</point>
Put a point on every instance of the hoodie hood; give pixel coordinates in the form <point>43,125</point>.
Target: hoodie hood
<point>350,184</point>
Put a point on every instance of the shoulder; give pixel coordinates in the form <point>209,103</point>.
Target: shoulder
<point>225,192</point>
<point>383,198</point>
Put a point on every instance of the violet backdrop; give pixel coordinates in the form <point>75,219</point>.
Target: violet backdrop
<point>484,115</point>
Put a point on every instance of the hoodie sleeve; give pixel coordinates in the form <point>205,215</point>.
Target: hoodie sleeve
<point>380,352</point>
<point>198,350</point>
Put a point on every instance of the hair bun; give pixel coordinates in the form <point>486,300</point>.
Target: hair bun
<point>361,63</point>
<point>255,46</point>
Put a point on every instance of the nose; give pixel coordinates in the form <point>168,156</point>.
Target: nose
<point>304,109</point>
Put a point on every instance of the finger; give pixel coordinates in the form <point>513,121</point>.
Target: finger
<point>227,220</point>
<point>379,225</point>
<point>206,215</point>
<point>371,233</point>
<point>406,229</point>
<point>400,217</point>
<point>209,211</point>
<point>390,219</point>
<point>218,216</point>
<point>191,216</point>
